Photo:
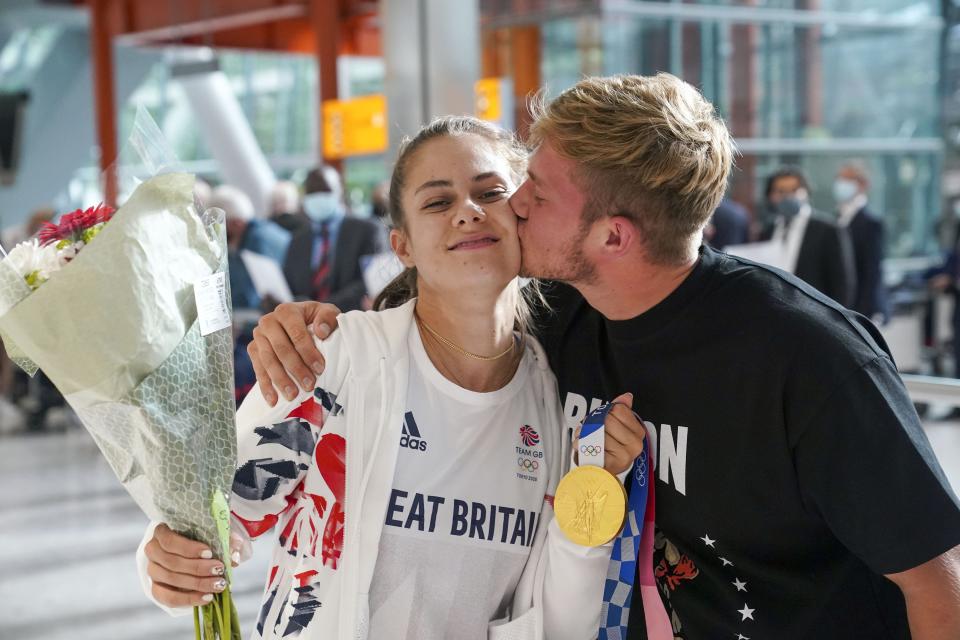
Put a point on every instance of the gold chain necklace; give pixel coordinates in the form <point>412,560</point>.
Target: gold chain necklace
<point>440,362</point>
<point>455,347</point>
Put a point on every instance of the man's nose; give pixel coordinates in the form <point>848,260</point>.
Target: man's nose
<point>518,203</point>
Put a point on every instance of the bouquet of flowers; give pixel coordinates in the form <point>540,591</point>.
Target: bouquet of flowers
<point>127,313</point>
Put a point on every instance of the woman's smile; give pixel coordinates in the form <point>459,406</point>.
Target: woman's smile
<point>476,241</point>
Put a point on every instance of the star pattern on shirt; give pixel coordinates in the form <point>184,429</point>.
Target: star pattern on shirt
<point>746,613</point>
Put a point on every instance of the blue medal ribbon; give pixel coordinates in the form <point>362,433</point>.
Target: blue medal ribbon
<point>622,570</point>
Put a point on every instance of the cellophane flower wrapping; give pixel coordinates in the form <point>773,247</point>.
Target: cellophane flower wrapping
<point>117,332</point>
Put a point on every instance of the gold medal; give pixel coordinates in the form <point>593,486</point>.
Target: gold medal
<point>590,506</point>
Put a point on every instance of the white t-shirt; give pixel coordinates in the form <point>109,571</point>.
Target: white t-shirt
<point>467,495</point>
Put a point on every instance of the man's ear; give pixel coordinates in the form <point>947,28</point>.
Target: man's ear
<point>400,245</point>
<point>620,235</point>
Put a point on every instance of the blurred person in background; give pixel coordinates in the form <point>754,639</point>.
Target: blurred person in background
<point>945,279</point>
<point>379,203</point>
<point>816,250</point>
<point>34,396</point>
<point>245,232</point>
<point>285,206</point>
<point>323,262</point>
<point>28,229</point>
<point>866,232</point>
<point>11,417</point>
<point>729,225</point>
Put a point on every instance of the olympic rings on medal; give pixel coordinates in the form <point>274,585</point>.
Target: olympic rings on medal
<point>527,464</point>
<point>590,450</point>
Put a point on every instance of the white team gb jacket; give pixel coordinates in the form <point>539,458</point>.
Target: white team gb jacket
<point>320,470</point>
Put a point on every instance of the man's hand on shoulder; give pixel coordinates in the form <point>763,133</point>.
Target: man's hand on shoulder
<point>282,350</point>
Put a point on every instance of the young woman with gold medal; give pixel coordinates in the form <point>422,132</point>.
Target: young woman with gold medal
<point>424,460</point>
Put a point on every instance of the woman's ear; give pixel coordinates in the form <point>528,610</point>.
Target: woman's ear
<point>401,246</point>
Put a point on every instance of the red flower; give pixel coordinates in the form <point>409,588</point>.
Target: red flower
<point>72,225</point>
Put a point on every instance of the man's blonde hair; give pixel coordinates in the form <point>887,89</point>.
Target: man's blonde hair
<point>651,149</point>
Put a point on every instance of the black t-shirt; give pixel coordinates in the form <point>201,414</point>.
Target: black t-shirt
<point>792,470</point>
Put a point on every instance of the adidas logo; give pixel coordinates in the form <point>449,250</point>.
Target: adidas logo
<point>411,437</point>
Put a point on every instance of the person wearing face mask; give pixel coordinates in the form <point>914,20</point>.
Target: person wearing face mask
<point>323,262</point>
<point>816,250</point>
<point>866,231</point>
<point>285,207</point>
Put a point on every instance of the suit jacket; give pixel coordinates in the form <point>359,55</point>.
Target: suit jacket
<point>357,237</point>
<point>825,261</point>
<point>867,237</point>
<point>731,225</point>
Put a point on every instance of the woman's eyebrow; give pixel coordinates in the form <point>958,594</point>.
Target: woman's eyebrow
<point>484,176</point>
<point>433,183</point>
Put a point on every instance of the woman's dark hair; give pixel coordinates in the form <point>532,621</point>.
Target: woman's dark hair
<point>404,287</point>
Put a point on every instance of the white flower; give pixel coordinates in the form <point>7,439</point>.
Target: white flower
<point>29,258</point>
<point>69,252</point>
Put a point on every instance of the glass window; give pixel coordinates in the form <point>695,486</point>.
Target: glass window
<point>575,49</point>
<point>811,95</point>
<point>906,8</point>
<point>23,53</point>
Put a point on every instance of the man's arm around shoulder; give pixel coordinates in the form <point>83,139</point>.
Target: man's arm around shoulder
<point>932,594</point>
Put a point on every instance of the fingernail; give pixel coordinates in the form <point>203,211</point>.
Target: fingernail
<point>317,367</point>
<point>307,384</point>
<point>235,556</point>
<point>206,554</point>
<point>323,330</point>
<point>217,571</point>
<point>289,393</point>
<point>220,585</point>
<point>207,597</point>
<point>272,399</point>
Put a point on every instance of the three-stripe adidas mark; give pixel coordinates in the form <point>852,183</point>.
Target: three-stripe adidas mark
<point>411,437</point>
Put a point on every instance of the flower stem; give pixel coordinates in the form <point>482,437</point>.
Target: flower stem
<point>208,616</point>
<point>234,621</point>
<point>196,623</point>
<point>217,616</point>
<point>227,618</point>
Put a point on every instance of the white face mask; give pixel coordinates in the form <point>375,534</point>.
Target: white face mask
<point>844,190</point>
<point>321,206</point>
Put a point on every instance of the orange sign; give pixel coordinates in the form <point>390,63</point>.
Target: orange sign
<point>354,127</point>
<point>488,103</point>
